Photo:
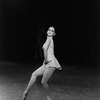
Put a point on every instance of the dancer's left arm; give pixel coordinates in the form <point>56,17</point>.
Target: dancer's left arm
<point>45,49</point>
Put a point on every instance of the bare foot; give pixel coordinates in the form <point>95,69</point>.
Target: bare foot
<point>24,95</point>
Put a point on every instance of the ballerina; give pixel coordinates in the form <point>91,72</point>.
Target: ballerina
<point>50,64</point>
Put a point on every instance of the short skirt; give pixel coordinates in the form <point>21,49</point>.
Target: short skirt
<point>53,62</point>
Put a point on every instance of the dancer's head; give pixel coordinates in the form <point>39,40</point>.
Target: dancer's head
<point>51,31</point>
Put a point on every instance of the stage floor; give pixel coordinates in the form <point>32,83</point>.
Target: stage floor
<point>70,85</point>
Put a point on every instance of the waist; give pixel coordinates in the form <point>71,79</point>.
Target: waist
<point>50,53</point>
<point>50,56</point>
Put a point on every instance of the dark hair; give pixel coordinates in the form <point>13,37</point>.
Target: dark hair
<point>51,26</point>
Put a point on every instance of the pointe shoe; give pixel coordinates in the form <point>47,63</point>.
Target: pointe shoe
<point>48,98</point>
<point>24,95</point>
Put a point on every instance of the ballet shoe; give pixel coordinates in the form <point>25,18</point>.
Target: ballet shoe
<point>48,98</point>
<point>24,95</point>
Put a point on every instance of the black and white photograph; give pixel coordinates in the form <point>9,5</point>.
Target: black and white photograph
<point>49,50</point>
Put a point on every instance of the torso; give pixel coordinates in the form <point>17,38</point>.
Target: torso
<point>50,50</point>
<point>51,47</point>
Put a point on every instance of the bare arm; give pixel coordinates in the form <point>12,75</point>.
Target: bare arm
<point>45,56</point>
<point>45,52</point>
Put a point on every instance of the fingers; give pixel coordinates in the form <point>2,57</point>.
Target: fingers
<point>47,62</point>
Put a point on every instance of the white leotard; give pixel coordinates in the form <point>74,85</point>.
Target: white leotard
<point>49,46</point>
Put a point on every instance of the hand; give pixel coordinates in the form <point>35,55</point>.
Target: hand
<point>46,61</point>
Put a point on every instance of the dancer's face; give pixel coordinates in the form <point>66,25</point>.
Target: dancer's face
<point>51,31</point>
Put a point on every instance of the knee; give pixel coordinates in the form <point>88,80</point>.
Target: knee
<point>33,74</point>
<point>43,83</point>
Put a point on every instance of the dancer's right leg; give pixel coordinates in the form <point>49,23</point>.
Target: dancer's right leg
<point>34,75</point>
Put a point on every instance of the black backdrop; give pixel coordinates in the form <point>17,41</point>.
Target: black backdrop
<point>76,22</point>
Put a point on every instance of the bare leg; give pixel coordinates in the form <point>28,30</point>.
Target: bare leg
<point>36,73</point>
<point>46,76</point>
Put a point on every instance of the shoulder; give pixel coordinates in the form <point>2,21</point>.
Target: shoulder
<point>48,39</point>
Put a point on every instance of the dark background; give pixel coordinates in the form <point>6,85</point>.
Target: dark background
<point>77,27</point>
